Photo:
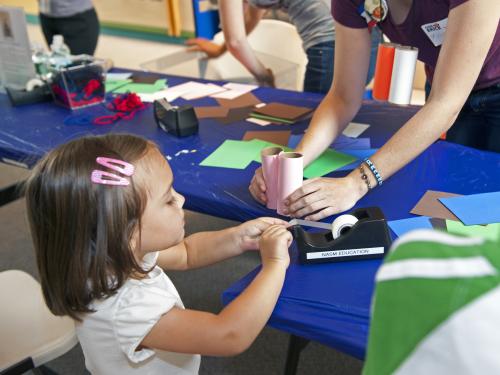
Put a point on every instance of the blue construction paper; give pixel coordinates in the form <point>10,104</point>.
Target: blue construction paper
<point>361,154</point>
<point>400,227</point>
<point>294,140</point>
<point>347,143</point>
<point>476,208</point>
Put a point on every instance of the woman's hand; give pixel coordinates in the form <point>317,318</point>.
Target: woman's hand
<point>267,79</point>
<point>258,187</point>
<point>322,197</point>
<point>248,234</point>
<point>204,45</point>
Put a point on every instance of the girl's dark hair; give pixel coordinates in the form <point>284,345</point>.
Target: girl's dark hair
<point>82,231</point>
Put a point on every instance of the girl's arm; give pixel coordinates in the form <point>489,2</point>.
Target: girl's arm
<point>471,29</point>
<point>252,17</point>
<point>232,330</point>
<point>205,248</point>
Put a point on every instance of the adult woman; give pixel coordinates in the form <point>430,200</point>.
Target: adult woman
<point>463,66</point>
<point>313,22</point>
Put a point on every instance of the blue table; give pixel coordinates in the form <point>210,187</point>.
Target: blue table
<point>328,303</point>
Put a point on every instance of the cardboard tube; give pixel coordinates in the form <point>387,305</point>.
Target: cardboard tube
<point>405,61</point>
<point>383,71</point>
<point>270,162</point>
<point>290,176</point>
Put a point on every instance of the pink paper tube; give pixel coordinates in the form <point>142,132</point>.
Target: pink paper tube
<point>269,157</point>
<point>290,176</point>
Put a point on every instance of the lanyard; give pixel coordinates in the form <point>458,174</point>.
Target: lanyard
<point>373,11</point>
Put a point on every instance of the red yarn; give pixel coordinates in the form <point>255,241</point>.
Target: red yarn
<point>127,105</point>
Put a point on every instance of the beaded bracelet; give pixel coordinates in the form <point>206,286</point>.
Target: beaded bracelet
<point>364,177</point>
<point>374,171</point>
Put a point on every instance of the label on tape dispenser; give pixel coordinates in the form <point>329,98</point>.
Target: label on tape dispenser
<point>346,253</point>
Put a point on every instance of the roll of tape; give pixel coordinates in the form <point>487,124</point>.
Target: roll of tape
<point>342,224</point>
<point>32,83</point>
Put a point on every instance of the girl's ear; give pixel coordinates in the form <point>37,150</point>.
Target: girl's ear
<point>135,245</point>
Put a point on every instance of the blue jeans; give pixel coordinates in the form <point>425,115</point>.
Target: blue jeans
<point>319,69</point>
<point>478,123</point>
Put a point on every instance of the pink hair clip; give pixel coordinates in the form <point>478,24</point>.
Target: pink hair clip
<point>117,165</point>
<point>108,178</point>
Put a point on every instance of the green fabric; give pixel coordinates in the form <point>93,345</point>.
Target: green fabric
<point>328,161</point>
<point>405,311</point>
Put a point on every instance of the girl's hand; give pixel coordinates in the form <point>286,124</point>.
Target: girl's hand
<point>258,187</point>
<point>204,45</point>
<point>274,245</point>
<point>322,197</point>
<point>248,234</point>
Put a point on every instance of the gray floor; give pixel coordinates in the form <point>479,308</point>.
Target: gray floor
<point>200,289</point>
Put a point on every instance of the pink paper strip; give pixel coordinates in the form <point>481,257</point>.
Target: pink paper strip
<point>270,162</point>
<point>290,176</point>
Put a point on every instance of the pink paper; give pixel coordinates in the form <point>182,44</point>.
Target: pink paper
<point>290,176</point>
<point>270,163</point>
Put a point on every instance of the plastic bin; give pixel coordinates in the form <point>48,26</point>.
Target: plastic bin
<point>224,68</point>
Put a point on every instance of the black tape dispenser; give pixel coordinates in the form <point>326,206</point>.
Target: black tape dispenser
<point>361,234</point>
<point>179,121</point>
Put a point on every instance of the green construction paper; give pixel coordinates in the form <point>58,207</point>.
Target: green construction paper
<point>270,118</point>
<point>329,161</point>
<point>260,145</point>
<point>113,85</point>
<point>232,154</point>
<point>488,232</point>
<point>142,88</point>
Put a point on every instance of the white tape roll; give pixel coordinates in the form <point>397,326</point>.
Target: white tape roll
<point>343,223</point>
<point>32,83</point>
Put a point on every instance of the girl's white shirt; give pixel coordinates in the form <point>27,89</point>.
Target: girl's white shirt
<point>111,335</point>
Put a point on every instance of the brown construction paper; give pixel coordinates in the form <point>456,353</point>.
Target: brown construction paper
<point>245,100</point>
<point>207,112</point>
<point>149,78</point>
<point>429,205</point>
<point>279,137</point>
<point>285,111</point>
<point>235,115</point>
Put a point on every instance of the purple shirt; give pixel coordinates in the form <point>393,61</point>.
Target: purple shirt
<point>410,33</point>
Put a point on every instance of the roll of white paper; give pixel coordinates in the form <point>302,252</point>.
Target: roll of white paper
<point>343,223</point>
<point>403,72</point>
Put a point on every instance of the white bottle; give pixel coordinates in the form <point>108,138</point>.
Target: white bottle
<point>60,53</point>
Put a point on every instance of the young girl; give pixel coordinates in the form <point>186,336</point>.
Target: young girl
<point>100,208</point>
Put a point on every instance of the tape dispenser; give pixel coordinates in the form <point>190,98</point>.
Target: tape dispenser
<point>179,121</point>
<point>361,234</point>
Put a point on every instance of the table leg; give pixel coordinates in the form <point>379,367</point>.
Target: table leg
<point>11,193</point>
<point>295,346</point>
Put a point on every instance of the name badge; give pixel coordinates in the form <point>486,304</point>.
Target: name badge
<point>435,31</point>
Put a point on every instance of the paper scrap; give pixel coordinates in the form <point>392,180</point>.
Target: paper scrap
<point>202,91</point>
<point>117,76</point>
<point>283,111</point>
<point>279,137</point>
<point>488,232</point>
<point>244,100</point>
<point>142,88</point>
<point>234,90</point>
<point>207,112</point>
<point>476,208</point>
<point>429,205</point>
<point>400,227</point>
<point>355,129</point>
<point>258,121</point>
<point>327,162</point>
<point>231,154</point>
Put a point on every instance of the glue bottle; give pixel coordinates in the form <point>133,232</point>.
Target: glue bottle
<point>60,53</point>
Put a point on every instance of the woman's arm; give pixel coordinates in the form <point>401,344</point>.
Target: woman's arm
<point>236,25</point>
<point>252,18</point>
<point>471,29</point>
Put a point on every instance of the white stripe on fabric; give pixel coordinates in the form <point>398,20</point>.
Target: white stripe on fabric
<point>466,343</point>
<point>431,268</point>
<point>429,235</point>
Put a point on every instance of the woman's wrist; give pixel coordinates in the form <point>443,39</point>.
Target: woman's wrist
<point>361,181</point>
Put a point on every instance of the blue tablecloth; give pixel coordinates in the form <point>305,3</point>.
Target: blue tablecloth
<point>328,303</point>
